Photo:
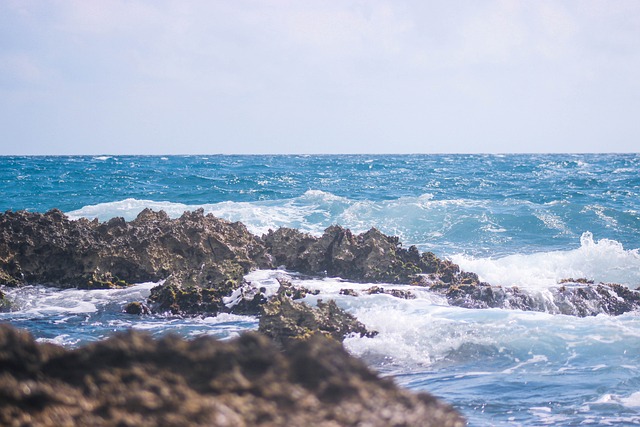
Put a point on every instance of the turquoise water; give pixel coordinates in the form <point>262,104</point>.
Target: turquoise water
<point>525,220</point>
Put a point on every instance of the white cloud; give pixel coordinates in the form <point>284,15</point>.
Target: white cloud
<point>355,74</point>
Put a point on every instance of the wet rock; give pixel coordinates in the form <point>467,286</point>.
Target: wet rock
<point>367,257</point>
<point>295,291</point>
<point>5,304</point>
<point>287,322</point>
<point>398,293</point>
<point>137,307</point>
<point>577,299</point>
<point>53,250</point>
<point>591,300</point>
<point>132,380</point>
<point>581,280</point>
<point>349,292</point>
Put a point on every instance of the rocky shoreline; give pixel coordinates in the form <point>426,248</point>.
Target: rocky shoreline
<point>131,379</point>
<point>293,371</point>
<point>202,261</point>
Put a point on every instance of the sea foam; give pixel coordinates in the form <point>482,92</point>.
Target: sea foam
<point>604,260</point>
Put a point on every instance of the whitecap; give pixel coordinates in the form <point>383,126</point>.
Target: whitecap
<point>602,261</point>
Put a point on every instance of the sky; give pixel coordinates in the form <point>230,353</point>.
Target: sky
<point>312,77</point>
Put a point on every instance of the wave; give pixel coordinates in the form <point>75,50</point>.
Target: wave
<point>604,260</point>
<point>509,242</point>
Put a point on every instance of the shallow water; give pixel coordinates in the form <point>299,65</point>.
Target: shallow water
<point>525,220</point>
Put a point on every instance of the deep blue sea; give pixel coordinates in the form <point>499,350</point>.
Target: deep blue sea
<point>525,220</point>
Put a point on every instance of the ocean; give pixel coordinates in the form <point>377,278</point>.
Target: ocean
<point>515,220</point>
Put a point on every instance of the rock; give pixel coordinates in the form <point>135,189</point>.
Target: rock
<point>294,291</point>
<point>137,307</point>
<point>50,249</point>
<point>367,257</point>
<point>398,293</point>
<point>131,379</point>
<point>577,300</point>
<point>198,292</point>
<point>591,300</point>
<point>287,322</point>
<point>5,304</point>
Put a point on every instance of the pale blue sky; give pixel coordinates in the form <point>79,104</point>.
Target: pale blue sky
<point>331,76</point>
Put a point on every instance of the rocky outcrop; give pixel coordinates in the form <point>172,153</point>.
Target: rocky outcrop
<point>287,322</point>
<point>204,260</point>
<point>133,380</point>
<point>579,298</point>
<point>374,290</point>
<point>5,304</point>
<point>53,250</point>
<point>367,257</point>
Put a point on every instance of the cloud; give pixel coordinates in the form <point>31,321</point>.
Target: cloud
<point>349,75</point>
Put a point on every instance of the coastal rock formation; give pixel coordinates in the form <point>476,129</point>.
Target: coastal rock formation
<point>131,379</point>
<point>53,250</point>
<point>287,322</point>
<point>398,293</point>
<point>204,260</point>
<point>367,257</point>
<point>580,298</point>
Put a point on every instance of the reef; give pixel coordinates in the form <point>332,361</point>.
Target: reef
<point>579,298</point>
<point>287,322</point>
<point>131,379</point>
<point>51,249</point>
<point>368,257</point>
<point>201,261</point>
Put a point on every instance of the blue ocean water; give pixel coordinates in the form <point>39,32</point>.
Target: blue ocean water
<point>525,220</point>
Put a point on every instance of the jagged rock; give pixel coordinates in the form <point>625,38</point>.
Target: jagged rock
<point>53,250</point>
<point>398,293</point>
<point>582,280</point>
<point>367,257</point>
<point>591,300</point>
<point>5,304</point>
<point>294,291</point>
<point>204,259</point>
<point>137,307</point>
<point>287,322</point>
<point>131,379</point>
<point>578,300</point>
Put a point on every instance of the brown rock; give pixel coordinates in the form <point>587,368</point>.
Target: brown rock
<point>53,250</point>
<point>132,380</point>
<point>287,322</point>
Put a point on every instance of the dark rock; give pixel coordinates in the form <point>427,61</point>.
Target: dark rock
<point>294,291</point>
<point>5,304</point>
<point>53,250</point>
<point>132,380</point>
<point>591,300</point>
<point>398,293</point>
<point>349,292</point>
<point>287,322</point>
<point>367,257</point>
<point>137,307</point>
<point>578,300</point>
<point>581,280</point>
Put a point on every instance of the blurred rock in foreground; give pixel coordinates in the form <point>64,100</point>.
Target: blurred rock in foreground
<point>131,379</point>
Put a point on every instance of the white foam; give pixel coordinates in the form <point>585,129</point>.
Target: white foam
<point>602,261</point>
<point>44,301</point>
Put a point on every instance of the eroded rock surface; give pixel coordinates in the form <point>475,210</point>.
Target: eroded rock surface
<point>132,380</point>
<point>287,322</point>
<point>579,298</point>
<point>367,257</point>
<point>204,260</point>
<point>53,250</point>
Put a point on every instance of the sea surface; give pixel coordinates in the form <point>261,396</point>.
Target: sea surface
<point>523,220</point>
